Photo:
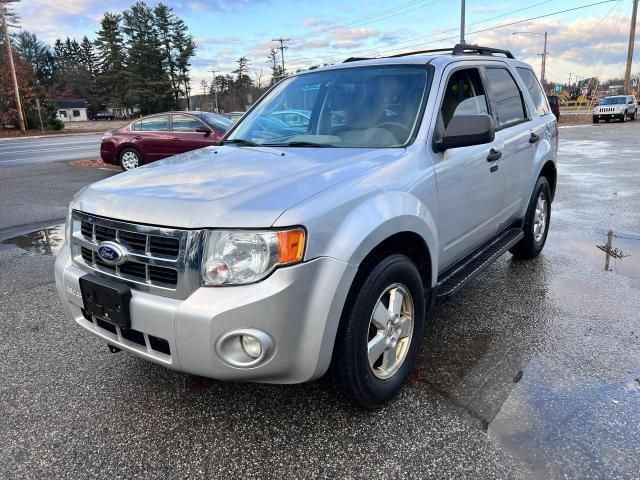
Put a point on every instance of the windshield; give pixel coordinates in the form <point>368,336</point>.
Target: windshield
<point>217,121</point>
<point>367,107</point>
<point>614,101</point>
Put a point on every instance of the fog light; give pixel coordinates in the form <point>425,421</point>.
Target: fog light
<point>251,346</point>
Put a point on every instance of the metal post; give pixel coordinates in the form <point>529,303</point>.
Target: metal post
<point>544,60</point>
<point>632,38</point>
<point>12,67</point>
<point>462,22</point>
<point>39,115</point>
<point>608,251</point>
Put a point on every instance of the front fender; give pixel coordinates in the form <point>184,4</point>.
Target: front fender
<point>371,222</point>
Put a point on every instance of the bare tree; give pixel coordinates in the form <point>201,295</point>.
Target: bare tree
<point>259,76</point>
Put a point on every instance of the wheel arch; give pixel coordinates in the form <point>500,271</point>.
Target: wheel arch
<point>549,171</point>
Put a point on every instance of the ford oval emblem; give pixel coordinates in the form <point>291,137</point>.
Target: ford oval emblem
<point>112,253</point>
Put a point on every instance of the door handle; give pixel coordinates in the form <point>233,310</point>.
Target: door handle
<point>494,155</point>
<point>137,137</point>
<point>533,138</point>
<point>175,139</point>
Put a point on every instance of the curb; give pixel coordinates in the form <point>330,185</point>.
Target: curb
<point>61,135</point>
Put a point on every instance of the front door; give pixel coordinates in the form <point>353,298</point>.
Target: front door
<point>470,185</point>
<point>184,137</point>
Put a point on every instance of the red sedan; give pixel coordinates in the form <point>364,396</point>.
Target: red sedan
<point>161,135</point>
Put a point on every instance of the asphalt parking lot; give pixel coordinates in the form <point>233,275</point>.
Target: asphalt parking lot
<point>532,372</point>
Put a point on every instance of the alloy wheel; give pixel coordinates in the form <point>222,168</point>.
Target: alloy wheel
<point>390,331</point>
<point>540,218</point>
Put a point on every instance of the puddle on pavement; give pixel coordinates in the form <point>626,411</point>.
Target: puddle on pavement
<point>547,362</point>
<point>624,257</point>
<point>47,241</point>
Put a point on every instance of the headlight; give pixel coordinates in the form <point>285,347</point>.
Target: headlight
<point>241,257</point>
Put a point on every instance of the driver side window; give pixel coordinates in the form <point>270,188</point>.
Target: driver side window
<point>464,95</point>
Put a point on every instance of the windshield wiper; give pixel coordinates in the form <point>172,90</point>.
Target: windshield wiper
<point>240,142</point>
<point>299,144</point>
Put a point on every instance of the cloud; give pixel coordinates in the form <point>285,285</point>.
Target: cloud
<point>490,8</point>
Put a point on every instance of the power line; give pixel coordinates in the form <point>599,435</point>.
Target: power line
<point>517,22</point>
<point>424,37</point>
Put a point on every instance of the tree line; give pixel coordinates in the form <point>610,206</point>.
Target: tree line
<point>140,58</point>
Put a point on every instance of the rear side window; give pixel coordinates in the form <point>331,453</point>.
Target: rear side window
<point>535,90</point>
<point>185,123</point>
<point>155,124</point>
<point>507,100</point>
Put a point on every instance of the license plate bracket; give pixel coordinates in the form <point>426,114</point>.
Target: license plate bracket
<point>106,299</point>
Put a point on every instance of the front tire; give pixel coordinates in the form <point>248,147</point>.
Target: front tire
<point>536,224</point>
<point>596,120</point>
<point>130,158</point>
<point>380,332</point>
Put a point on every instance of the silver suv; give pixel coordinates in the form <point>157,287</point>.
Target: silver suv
<point>621,107</point>
<point>293,250</point>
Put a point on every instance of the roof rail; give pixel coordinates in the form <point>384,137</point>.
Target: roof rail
<point>459,49</point>
<point>419,52</point>
<point>356,59</point>
<point>464,49</point>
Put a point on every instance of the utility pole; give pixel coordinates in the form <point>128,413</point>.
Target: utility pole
<point>282,48</point>
<point>213,87</point>
<point>608,251</point>
<point>632,38</point>
<point>462,22</point>
<point>12,67</point>
<point>544,60</point>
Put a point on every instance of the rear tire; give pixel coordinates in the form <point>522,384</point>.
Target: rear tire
<point>536,224</point>
<point>380,332</point>
<point>129,159</point>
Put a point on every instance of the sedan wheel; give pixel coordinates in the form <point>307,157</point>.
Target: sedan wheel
<point>130,159</point>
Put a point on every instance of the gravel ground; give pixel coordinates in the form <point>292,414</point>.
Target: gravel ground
<point>532,372</point>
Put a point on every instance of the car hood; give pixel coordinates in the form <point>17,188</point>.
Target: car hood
<point>229,186</point>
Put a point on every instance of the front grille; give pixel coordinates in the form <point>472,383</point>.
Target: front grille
<point>160,260</point>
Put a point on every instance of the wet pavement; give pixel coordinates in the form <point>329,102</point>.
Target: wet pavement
<point>533,371</point>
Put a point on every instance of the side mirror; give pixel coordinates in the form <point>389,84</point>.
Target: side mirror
<point>467,130</point>
<point>204,130</point>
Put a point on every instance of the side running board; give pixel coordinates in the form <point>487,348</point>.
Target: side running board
<point>457,276</point>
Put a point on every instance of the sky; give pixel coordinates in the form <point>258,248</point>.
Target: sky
<point>587,42</point>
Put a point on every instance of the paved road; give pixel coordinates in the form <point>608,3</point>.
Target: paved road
<point>35,195</point>
<point>25,151</point>
<point>531,372</point>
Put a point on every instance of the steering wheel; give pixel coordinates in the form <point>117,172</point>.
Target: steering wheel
<point>394,129</point>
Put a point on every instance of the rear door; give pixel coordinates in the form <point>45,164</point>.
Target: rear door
<point>468,179</point>
<point>184,137</point>
<point>151,136</point>
<point>516,130</point>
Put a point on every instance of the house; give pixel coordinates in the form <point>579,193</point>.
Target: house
<point>124,112</point>
<point>71,109</point>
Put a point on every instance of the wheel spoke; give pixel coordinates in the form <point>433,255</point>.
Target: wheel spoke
<point>405,327</point>
<point>375,348</point>
<point>380,316</point>
<point>395,301</point>
<point>389,360</point>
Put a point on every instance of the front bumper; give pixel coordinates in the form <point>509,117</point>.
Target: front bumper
<point>610,115</point>
<point>299,307</point>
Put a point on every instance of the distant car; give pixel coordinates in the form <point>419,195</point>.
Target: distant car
<point>621,107</point>
<point>234,116</point>
<point>102,116</point>
<point>554,102</point>
<point>293,118</point>
<point>161,135</point>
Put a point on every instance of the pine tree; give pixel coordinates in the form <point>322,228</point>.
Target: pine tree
<point>111,64</point>
<point>149,84</point>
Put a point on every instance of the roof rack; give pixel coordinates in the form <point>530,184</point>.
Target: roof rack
<point>459,49</point>
<point>464,49</point>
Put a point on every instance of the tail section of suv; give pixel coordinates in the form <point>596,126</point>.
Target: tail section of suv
<point>289,252</point>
